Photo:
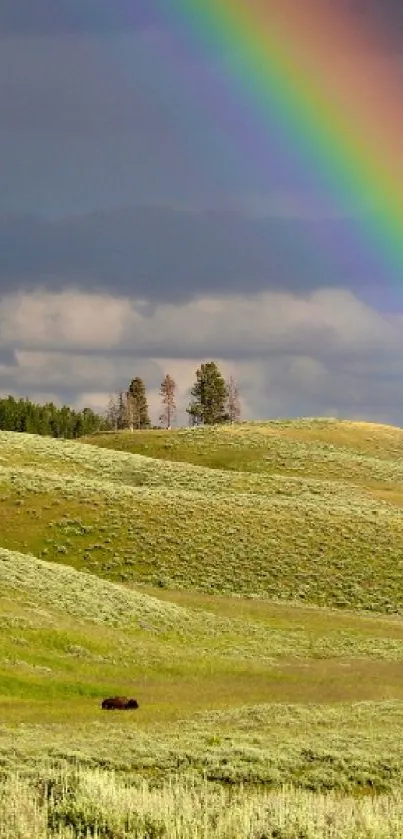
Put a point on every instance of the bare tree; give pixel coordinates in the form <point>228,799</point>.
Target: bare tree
<point>112,412</point>
<point>167,393</point>
<point>123,417</point>
<point>131,411</point>
<point>124,411</point>
<point>233,404</point>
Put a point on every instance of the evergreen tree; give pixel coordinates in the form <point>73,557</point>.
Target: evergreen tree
<point>207,405</point>
<point>167,393</point>
<point>78,426</point>
<point>47,420</point>
<point>91,421</point>
<point>136,405</point>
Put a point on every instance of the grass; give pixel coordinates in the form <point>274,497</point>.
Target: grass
<point>244,584</point>
<point>258,446</point>
<point>94,803</point>
<point>312,523</point>
<point>241,690</point>
<point>349,748</point>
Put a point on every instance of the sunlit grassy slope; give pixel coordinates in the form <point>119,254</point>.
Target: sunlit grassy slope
<point>307,510</point>
<point>267,688</point>
<point>241,690</point>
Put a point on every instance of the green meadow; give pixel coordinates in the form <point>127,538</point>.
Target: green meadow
<point>244,583</point>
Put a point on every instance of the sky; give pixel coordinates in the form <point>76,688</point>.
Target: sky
<point>138,238</point>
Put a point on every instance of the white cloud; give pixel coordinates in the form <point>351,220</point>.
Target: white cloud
<point>325,353</point>
<point>69,319</point>
<point>234,326</point>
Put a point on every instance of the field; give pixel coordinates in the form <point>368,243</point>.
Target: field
<point>245,585</point>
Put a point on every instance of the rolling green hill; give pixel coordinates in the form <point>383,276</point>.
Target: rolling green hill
<point>311,513</point>
<point>258,684</point>
<point>243,583</point>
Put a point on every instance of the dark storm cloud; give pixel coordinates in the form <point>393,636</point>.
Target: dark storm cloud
<point>90,122</point>
<point>386,14</point>
<point>167,254</point>
<point>51,17</point>
<point>7,357</point>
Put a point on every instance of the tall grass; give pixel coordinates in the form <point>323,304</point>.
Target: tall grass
<point>88,803</point>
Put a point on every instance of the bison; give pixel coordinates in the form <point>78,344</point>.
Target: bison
<point>119,703</point>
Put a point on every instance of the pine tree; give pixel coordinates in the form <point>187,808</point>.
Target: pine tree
<point>167,393</point>
<point>207,405</point>
<point>136,405</point>
<point>47,420</point>
<point>232,404</point>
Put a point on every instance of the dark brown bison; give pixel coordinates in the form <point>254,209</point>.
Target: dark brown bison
<point>119,703</point>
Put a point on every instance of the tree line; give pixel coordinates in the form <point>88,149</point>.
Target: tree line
<point>48,420</point>
<point>213,401</point>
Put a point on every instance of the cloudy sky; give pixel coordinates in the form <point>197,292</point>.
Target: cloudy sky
<point>142,232</point>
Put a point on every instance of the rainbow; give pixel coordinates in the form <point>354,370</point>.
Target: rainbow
<point>324,78</point>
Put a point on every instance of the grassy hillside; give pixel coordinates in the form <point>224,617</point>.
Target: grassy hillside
<point>73,637</point>
<point>312,511</point>
<point>241,690</point>
<point>198,571</point>
<point>253,446</point>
